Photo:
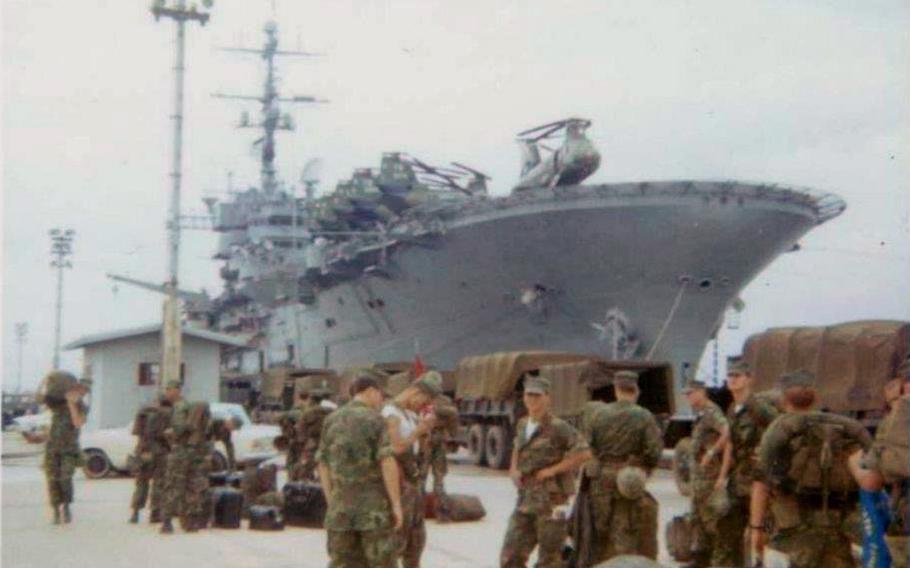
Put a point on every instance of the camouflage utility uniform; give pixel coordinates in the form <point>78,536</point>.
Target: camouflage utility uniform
<point>433,454</point>
<point>621,434</point>
<point>538,518</point>
<point>151,456</point>
<point>309,430</point>
<point>710,423</point>
<point>288,423</point>
<point>748,422</point>
<point>359,516</point>
<point>812,531</point>
<point>61,454</point>
<point>188,467</point>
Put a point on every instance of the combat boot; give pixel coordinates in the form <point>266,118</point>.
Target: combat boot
<point>135,518</point>
<point>167,527</point>
<point>67,516</point>
<point>56,515</point>
<point>155,516</point>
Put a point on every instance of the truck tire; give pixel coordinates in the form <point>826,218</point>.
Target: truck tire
<point>95,464</point>
<point>498,447</point>
<point>682,460</point>
<point>477,444</point>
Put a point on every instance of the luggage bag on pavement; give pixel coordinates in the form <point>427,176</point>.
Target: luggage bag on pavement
<point>680,536</point>
<point>227,508</point>
<point>458,508</point>
<point>304,504</point>
<point>265,518</point>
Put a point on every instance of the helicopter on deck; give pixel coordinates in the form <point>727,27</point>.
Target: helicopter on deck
<point>569,164</point>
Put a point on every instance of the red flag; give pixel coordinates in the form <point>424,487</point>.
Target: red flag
<point>418,368</point>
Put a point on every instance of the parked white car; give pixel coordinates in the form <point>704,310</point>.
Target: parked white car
<point>32,423</point>
<point>111,449</point>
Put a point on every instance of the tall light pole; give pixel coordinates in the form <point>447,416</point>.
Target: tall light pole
<point>170,329</point>
<point>61,248</point>
<point>21,329</point>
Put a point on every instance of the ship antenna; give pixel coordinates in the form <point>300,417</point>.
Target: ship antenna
<point>272,119</point>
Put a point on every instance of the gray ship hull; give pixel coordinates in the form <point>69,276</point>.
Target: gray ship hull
<point>541,270</point>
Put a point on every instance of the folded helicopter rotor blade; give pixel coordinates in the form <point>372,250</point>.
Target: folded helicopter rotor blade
<point>471,170</point>
<point>558,124</point>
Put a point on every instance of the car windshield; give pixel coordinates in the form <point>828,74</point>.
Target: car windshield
<point>221,410</point>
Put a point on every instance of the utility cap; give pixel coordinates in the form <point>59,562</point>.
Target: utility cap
<point>793,379</point>
<point>172,384</point>
<point>739,366</point>
<point>537,385</point>
<point>625,378</point>
<point>430,383</point>
<point>693,385</point>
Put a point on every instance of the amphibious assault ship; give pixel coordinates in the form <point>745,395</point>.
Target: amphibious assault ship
<point>415,259</point>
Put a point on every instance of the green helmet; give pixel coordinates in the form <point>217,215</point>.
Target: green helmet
<point>630,482</point>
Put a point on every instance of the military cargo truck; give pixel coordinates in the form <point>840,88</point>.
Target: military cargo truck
<point>852,362</point>
<point>489,388</point>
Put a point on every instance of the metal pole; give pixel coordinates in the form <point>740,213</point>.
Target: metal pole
<point>61,248</point>
<point>170,329</point>
<point>59,313</point>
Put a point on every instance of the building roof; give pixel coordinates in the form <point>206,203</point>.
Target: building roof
<point>203,334</point>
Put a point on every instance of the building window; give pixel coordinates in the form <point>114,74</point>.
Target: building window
<point>149,374</point>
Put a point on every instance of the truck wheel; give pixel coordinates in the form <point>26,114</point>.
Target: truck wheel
<point>476,444</point>
<point>498,447</point>
<point>682,463</point>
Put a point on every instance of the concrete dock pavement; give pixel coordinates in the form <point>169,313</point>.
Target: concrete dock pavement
<point>101,537</point>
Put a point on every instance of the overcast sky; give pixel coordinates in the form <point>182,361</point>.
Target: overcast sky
<point>811,93</point>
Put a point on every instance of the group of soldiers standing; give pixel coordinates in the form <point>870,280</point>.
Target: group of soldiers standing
<point>173,459</point>
<point>770,478</point>
<point>780,481</point>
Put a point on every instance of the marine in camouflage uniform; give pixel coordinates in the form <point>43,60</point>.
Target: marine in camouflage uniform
<point>308,432</point>
<point>356,468</point>
<point>621,434</point>
<point>188,466</point>
<point>61,452</point>
<point>220,431</point>
<point>288,423</point>
<point>433,452</point>
<point>811,531</point>
<point>543,460</point>
<point>748,421</point>
<point>151,458</point>
<point>709,435</point>
<point>405,440</point>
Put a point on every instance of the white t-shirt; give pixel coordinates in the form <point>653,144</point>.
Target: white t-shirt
<point>530,428</point>
<point>407,421</point>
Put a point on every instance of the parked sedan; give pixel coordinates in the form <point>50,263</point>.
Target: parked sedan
<point>111,449</point>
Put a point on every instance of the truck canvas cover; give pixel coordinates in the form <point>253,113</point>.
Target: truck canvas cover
<point>495,376</point>
<point>852,361</point>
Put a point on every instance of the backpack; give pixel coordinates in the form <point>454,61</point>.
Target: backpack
<point>893,447</point>
<point>148,426</point>
<point>819,448</point>
<point>198,419</point>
